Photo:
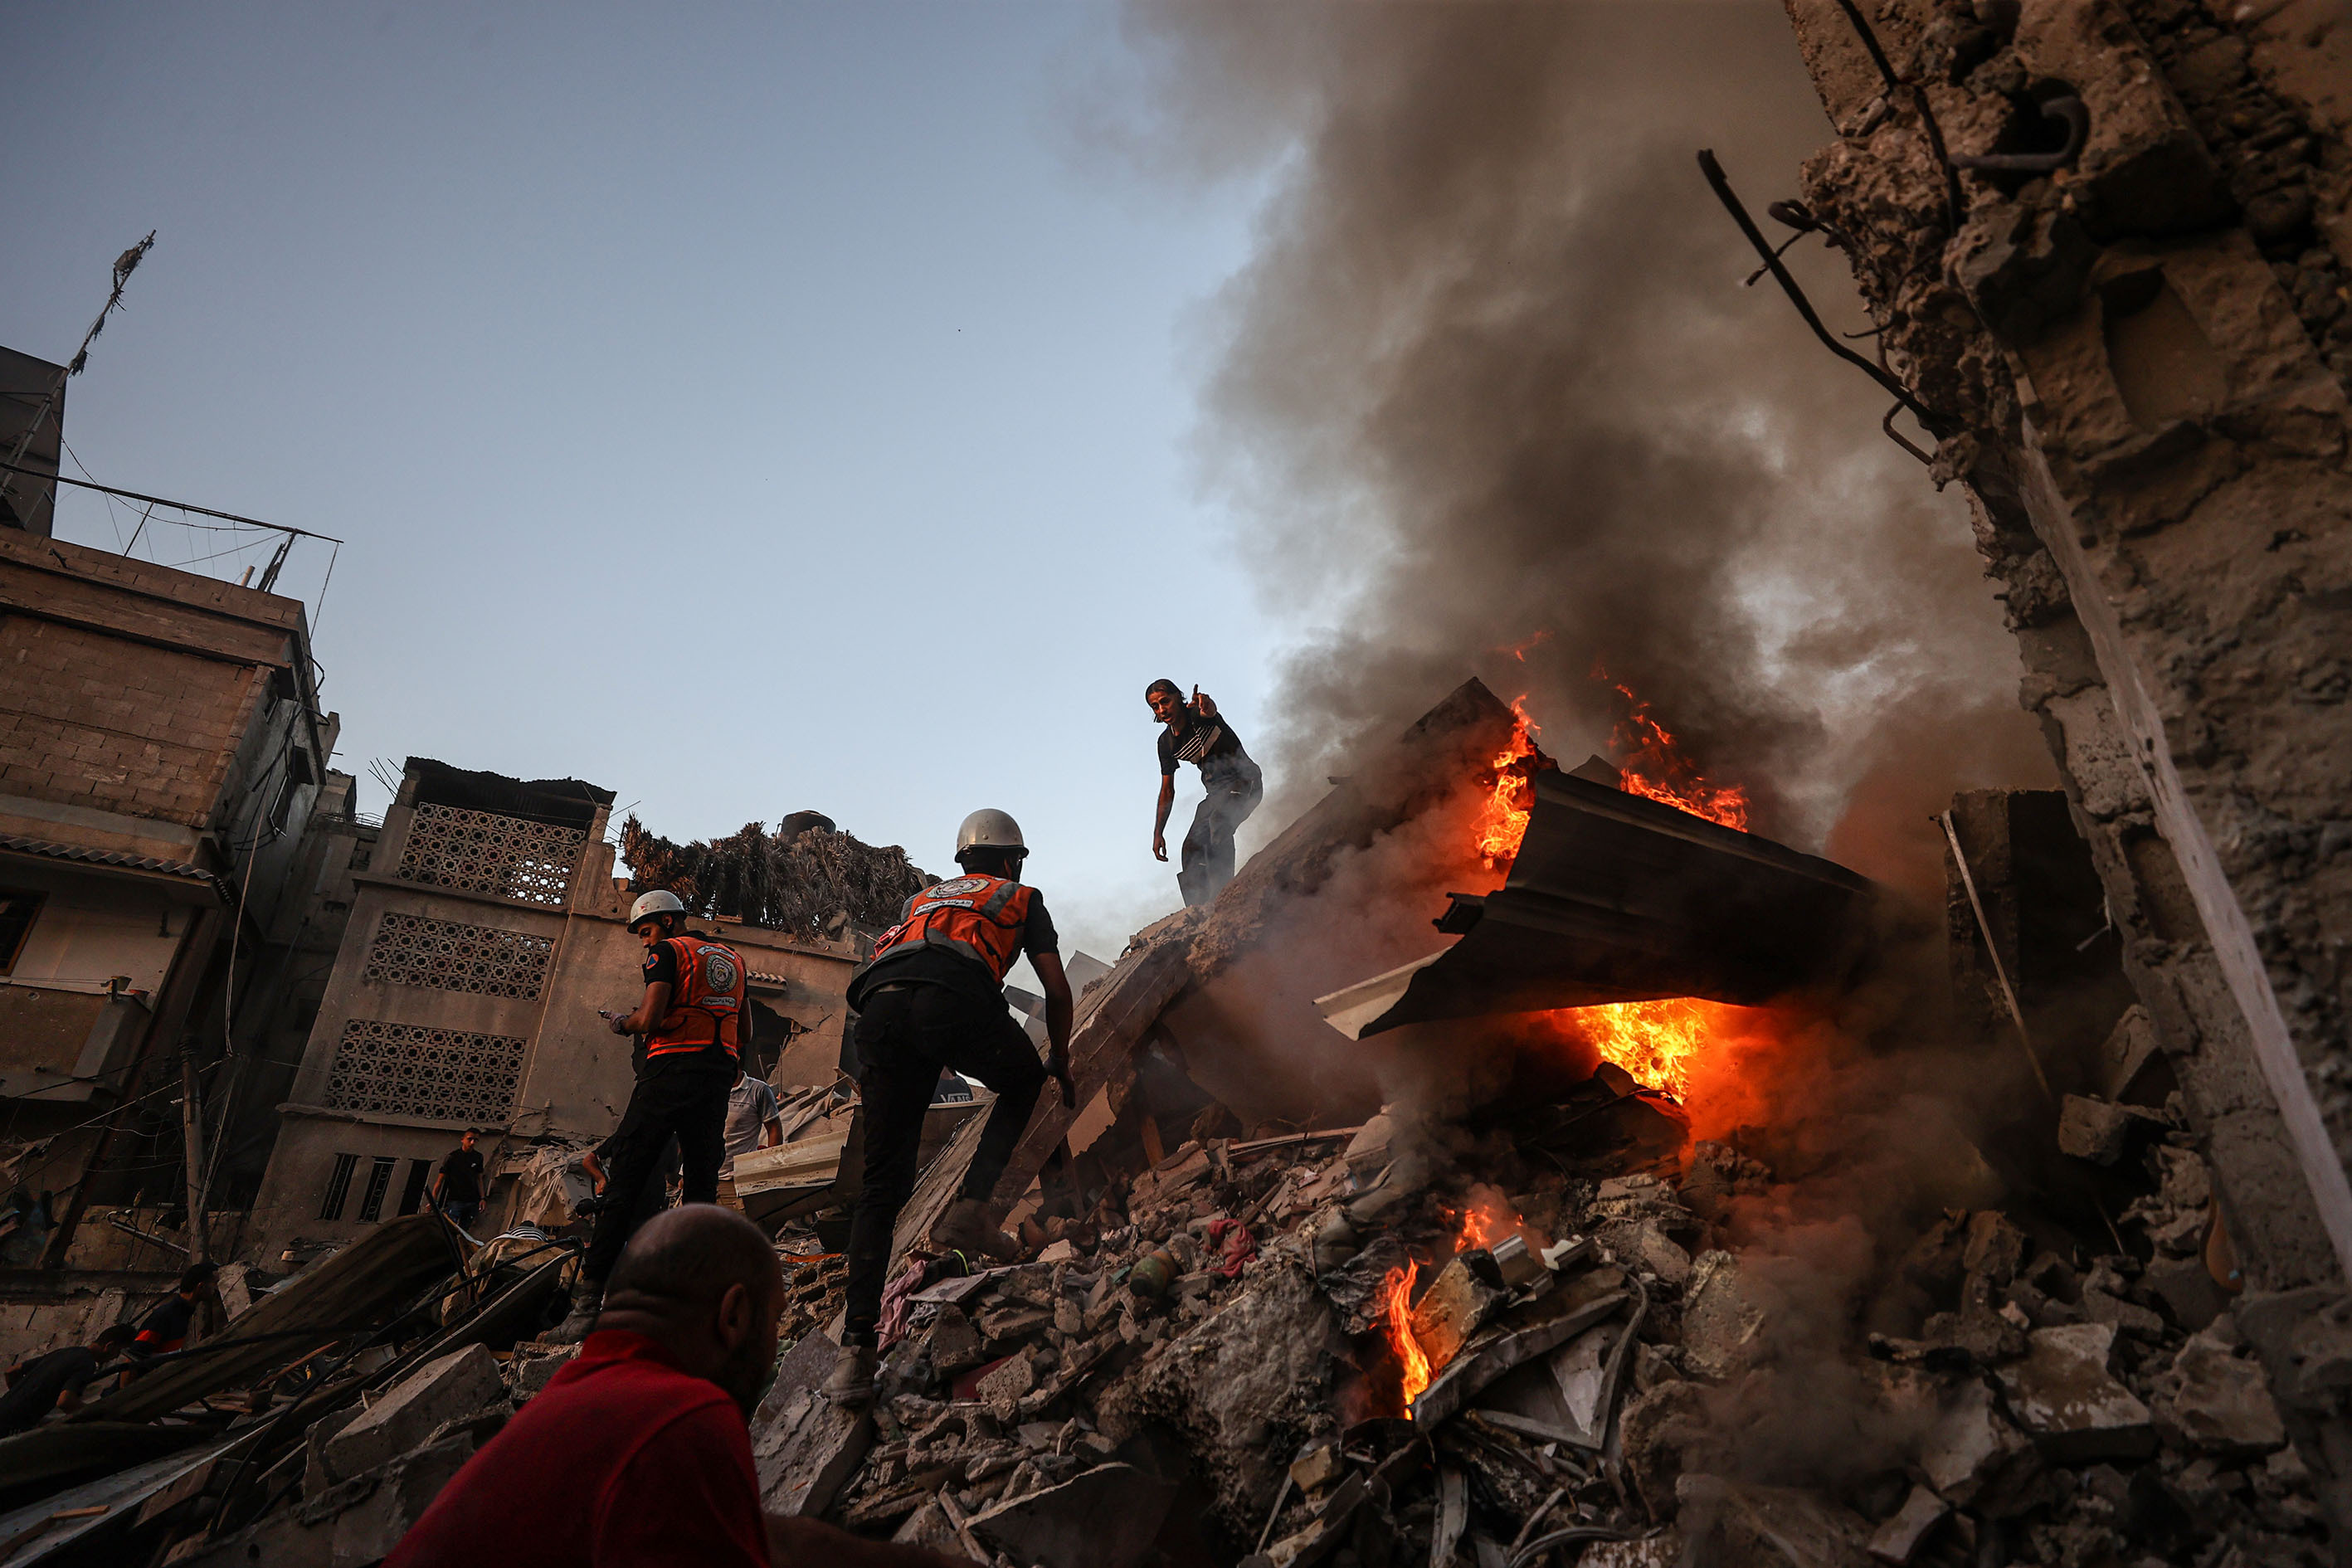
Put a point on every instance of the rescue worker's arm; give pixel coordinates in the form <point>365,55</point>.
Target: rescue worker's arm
<point>433,1192</point>
<point>1160,822</point>
<point>593,1169</point>
<point>1058,1010</point>
<point>648,1014</point>
<point>1206,707</point>
<point>771,1131</point>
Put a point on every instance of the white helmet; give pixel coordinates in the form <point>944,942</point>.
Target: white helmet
<point>660,901</point>
<point>986,829</point>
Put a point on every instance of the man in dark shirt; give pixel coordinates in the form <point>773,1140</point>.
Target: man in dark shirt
<point>1195,733</point>
<point>637,1452</point>
<point>458,1184</point>
<point>54,1381</point>
<point>933,998</point>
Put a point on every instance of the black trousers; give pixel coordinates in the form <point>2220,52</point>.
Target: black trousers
<point>688,1103</point>
<point>906,1038</point>
<point>1207,863</point>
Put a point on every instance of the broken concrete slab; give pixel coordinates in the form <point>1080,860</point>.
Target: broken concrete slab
<point>809,1450</point>
<point>1643,1245</point>
<point>1722,1316</point>
<point>2099,1131</point>
<point>1456,1304</point>
<point>1240,1390</point>
<point>1548,1322</point>
<point>1733,1524</point>
<point>2064,1396</point>
<point>533,1367</point>
<point>455,1384</point>
<point>1973,1455</point>
<point>1898,1540</point>
<point>1108,1517</point>
<point>2218,1402</point>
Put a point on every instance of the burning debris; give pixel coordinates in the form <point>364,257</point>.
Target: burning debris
<point>1574,1294</point>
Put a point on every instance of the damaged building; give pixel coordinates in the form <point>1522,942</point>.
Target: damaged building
<point>1520,1164</point>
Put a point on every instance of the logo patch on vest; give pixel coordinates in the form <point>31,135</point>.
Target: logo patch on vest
<point>953,887</point>
<point>719,969</point>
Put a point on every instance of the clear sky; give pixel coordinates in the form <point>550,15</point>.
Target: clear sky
<point>744,408</point>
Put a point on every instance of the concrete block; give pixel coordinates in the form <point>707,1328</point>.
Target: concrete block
<point>2217,1402</point>
<point>367,1529</point>
<point>808,1451</point>
<point>318,1476</point>
<point>2064,1396</point>
<point>530,1371</point>
<point>455,1384</point>
<point>1451,1310</point>
<point>1972,1454</point>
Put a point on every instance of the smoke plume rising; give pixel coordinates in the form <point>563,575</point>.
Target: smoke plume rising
<point>1497,402</point>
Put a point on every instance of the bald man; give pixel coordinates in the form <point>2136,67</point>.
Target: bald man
<point>637,1452</point>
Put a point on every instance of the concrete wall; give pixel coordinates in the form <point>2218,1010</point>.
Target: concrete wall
<point>2139,367</point>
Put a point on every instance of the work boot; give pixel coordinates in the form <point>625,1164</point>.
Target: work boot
<point>969,1227</point>
<point>852,1381</point>
<point>587,1301</point>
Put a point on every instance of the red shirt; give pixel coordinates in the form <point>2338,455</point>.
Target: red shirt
<point>622,1458</point>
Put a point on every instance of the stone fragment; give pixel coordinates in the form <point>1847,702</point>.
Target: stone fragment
<point>2186,1287</point>
<point>532,1368</point>
<point>1993,1246</point>
<point>1002,1388</point>
<point>1238,1390</point>
<point>2064,1396</point>
<point>1108,1517</point>
<point>2099,1132</point>
<point>2130,1316</point>
<point>1733,1524</point>
<point>2129,1047</point>
<point>1517,1262</point>
<point>1659,1432</point>
<point>2218,1402</point>
<point>441,1390</point>
<point>1642,1243</point>
<point>385,1503</point>
<point>1973,1455</point>
<point>317,1477</point>
<point>1317,1468</point>
<point>809,1450</point>
<point>1721,1317</point>
<point>1898,1539</point>
<point>929,1527</point>
<point>1718,1176</point>
<point>951,1342</point>
<point>1451,1310</point>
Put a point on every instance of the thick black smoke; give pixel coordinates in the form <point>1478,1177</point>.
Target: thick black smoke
<point>1491,383</point>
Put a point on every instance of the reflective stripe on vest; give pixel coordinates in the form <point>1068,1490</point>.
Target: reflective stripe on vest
<point>705,1003</point>
<point>977,917</point>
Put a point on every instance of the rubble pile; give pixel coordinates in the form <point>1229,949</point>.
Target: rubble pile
<point>1217,1366</point>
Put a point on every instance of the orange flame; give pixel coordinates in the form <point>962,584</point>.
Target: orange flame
<point>1396,1307</point>
<point>1488,1219</point>
<point>1652,765</point>
<point>1656,1042</point>
<point>1503,818</point>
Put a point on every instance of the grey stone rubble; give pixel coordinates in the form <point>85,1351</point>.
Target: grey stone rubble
<point>2051,1401</point>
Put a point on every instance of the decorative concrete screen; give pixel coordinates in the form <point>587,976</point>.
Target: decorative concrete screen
<point>433,1075</point>
<point>479,960</point>
<point>482,852</point>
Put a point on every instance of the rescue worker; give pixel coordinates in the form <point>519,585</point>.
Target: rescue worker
<point>932,998</point>
<point>689,1019</point>
<point>1196,733</point>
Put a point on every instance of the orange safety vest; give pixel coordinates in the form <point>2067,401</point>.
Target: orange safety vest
<point>706,1004</point>
<point>979,916</point>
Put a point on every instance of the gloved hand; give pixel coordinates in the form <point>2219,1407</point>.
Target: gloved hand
<point>586,1207</point>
